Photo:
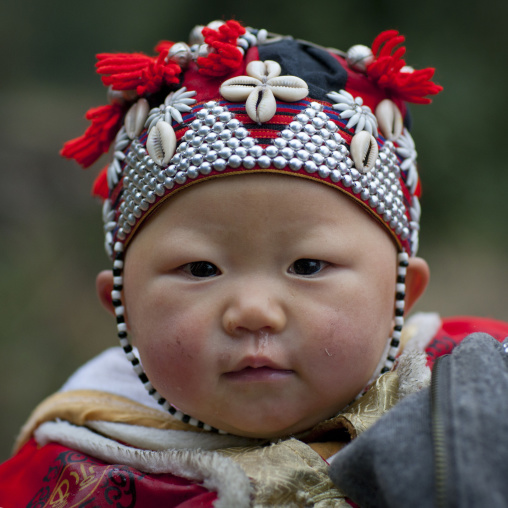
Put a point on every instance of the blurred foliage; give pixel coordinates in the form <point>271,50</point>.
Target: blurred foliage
<point>51,239</point>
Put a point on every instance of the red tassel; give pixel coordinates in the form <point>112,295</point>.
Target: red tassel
<point>386,71</point>
<point>100,187</point>
<point>106,121</point>
<point>136,71</point>
<point>225,55</point>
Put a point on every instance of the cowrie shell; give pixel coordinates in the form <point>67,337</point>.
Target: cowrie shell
<point>364,151</point>
<point>263,70</point>
<point>389,119</point>
<point>136,117</point>
<point>238,89</point>
<point>161,143</point>
<point>289,88</point>
<point>261,105</point>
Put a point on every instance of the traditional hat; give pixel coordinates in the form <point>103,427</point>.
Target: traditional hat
<point>240,100</point>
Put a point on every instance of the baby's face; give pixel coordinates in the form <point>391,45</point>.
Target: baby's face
<point>260,304</point>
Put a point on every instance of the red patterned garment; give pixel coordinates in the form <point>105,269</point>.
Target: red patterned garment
<point>455,329</point>
<point>54,476</point>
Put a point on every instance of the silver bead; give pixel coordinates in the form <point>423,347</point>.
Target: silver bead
<point>217,145</point>
<point>205,168</point>
<point>189,135</point>
<point>279,143</point>
<point>317,139</point>
<point>311,113</point>
<point>272,151</point>
<point>249,162</point>
<point>316,106</point>
<point>287,134</point>
<point>287,153</point>
<point>233,124</point>
<point>241,151</point>
<point>296,126</point>
<point>357,187</point>
<point>225,134</point>
<point>209,120</point>
<point>310,147</point>
<point>193,172</point>
<point>218,127</point>
<point>355,174</point>
<point>202,114</point>
<point>295,164</point>
<point>318,159</point>
<point>195,125</point>
<point>233,143</point>
<point>303,155</point>
<point>359,57</point>
<point>211,137</point>
<point>241,133</point>
<point>331,162</point>
<point>225,116</point>
<point>219,165</point>
<point>347,180</point>
<point>310,129</point>
<point>365,194</point>
<point>280,162</point>
<point>264,161</point>
<point>235,161</point>
<point>180,177</point>
<point>310,167</point>
<point>324,151</point>
<point>211,156</point>
<point>197,159</point>
<point>196,141</point>
<point>302,118</point>
<point>256,151</point>
<point>324,172</point>
<point>318,123</point>
<point>295,144</point>
<point>303,137</point>
<point>225,153</point>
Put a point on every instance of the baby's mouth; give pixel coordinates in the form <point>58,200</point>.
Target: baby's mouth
<point>256,370</point>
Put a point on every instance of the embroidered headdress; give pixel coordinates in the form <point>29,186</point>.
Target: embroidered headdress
<point>239,100</point>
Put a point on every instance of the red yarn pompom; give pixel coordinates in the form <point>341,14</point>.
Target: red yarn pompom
<point>387,71</point>
<point>225,55</point>
<point>106,121</point>
<point>136,71</point>
<point>100,187</point>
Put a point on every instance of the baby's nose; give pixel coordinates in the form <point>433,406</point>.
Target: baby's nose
<point>253,311</point>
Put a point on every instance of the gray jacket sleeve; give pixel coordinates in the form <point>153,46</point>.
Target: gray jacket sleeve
<point>446,446</point>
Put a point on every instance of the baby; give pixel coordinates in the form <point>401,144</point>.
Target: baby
<point>261,212</point>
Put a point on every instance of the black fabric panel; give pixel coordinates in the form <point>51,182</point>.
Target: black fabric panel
<point>320,70</point>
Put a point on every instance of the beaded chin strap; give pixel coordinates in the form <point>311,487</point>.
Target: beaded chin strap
<point>259,120</point>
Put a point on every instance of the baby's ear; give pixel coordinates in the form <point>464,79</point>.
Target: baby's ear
<point>417,278</point>
<point>104,286</point>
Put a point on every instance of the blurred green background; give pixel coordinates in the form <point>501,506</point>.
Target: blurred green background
<point>50,229</point>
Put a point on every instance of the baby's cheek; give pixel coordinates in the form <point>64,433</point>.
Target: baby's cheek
<point>173,356</point>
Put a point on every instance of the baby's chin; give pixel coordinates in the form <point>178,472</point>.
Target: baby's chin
<point>271,428</point>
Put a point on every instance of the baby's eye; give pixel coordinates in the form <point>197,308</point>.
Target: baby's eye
<point>201,269</point>
<point>306,266</point>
